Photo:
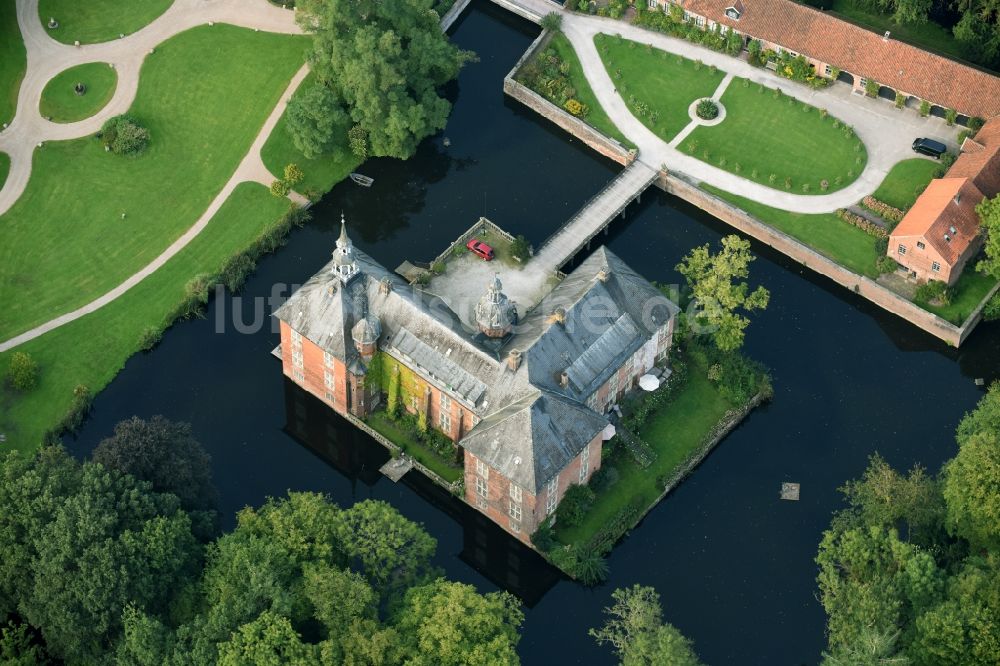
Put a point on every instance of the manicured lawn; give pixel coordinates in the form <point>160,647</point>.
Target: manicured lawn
<point>905,182</point>
<point>848,246</point>
<point>597,116</point>
<point>969,291</point>
<point>657,86</point>
<point>927,35</point>
<point>4,167</point>
<point>674,433</point>
<point>91,350</point>
<point>13,60</point>
<point>764,135</point>
<point>203,95</point>
<point>391,431</point>
<point>321,173</point>
<point>98,20</point>
<point>60,102</point>
<point>545,78</point>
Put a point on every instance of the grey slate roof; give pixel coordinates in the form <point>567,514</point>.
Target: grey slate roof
<point>529,441</point>
<point>523,414</point>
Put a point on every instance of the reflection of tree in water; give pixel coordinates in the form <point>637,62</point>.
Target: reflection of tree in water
<point>398,193</point>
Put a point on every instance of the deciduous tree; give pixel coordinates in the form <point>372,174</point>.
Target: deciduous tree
<point>717,285</point>
<point>635,629</point>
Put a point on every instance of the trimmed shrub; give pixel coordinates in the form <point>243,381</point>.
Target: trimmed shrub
<point>925,108</point>
<point>950,115</point>
<point>871,88</point>
<point>575,504</point>
<point>866,226</point>
<point>552,22</point>
<point>886,264</point>
<point>123,135</point>
<point>22,371</point>
<point>900,100</point>
<point>293,175</point>
<point>707,110</point>
<point>883,209</point>
<point>279,188</point>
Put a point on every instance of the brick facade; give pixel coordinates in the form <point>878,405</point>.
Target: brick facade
<point>499,502</point>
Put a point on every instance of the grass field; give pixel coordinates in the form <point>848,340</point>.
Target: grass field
<point>92,350</point>
<point>905,182</point>
<point>674,433</point>
<point>657,87</point>
<point>583,93</point>
<point>826,233</point>
<point>321,173</point>
<point>391,431</point>
<point>60,101</point>
<point>98,20</point>
<point>65,241</point>
<point>764,135</point>
<point>969,291</point>
<point>13,60</point>
<point>4,167</point>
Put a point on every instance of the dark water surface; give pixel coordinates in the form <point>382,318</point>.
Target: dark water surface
<point>733,564</point>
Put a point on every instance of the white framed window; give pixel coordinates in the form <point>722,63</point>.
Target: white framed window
<point>515,527</point>
<point>296,337</point>
<point>652,4</point>
<point>329,397</point>
<point>551,495</point>
<point>413,402</point>
<point>481,503</point>
<point>935,266</point>
<point>482,469</point>
<point>444,414</point>
<point>584,463</point>
<point>920,245</point>
<point>901,249</point>
<point>592,401</point>
<point>613,387</point>
<point>515,511</point>
<point>328,359</point>
<point>863,82</point>
<point>515,493</point>
<point>699,21</point>
<point>297,358</point>
<point>828,71</point>
<point>482,487</point>
<point>299,377</point>
<point>328,379</point>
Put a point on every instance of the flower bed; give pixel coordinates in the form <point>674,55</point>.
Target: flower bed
<point>707,110</point>
<point>867,226</point>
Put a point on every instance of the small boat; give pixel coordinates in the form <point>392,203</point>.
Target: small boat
<point>361,179</point>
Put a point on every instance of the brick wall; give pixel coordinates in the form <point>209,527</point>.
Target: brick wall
<point>497,503</point>
<point>861,285</point>
<point>581,130</point>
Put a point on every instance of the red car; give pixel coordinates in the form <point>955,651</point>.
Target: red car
<point>480,249</point>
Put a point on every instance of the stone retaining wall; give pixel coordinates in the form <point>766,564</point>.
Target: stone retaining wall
<point>605,145</point>
<point>859,284</point>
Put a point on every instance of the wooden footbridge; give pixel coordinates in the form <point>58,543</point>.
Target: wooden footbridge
<point>595,215</point>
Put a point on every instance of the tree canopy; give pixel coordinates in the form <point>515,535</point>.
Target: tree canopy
<point>107,570</point>
<point>989,224</point>
<point>636,630</point>
<point>378,63</point>
<point>717,283</point>
<point>910,572</point>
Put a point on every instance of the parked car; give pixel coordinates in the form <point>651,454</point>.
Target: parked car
<point>929,147</point>
<point>480,249</point>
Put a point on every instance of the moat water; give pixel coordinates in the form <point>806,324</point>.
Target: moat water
<point>734,565</point>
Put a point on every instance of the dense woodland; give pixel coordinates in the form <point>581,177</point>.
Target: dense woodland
<point>910,571</point>
<point>119,560</point>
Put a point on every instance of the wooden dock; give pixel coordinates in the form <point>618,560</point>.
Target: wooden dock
<point>595,215</point>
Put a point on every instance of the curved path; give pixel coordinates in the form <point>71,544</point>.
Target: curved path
<point>887,132</point>
<point>46,58</point>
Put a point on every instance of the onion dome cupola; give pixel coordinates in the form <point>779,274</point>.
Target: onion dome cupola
<point>495,313</point>
<point>345,266</point>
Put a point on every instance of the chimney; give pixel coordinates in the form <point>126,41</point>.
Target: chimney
<point>885,37</point>
<point>514,359</point>
<point>603,275</point>
<point>564,379</point>
<point>384,286</point>
<point>558,316</point>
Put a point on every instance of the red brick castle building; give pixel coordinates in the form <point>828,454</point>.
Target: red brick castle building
<point>524,395</point>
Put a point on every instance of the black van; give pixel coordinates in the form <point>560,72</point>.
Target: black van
<point>929,147</point>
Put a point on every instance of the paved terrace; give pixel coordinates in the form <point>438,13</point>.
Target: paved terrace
<point>886,131</point>
<point>595,216</point>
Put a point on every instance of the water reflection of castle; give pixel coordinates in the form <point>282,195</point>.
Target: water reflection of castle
<point>489,549</point>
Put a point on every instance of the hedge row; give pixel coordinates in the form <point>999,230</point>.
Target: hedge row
<point>883,209</point>
<point>866,226</point>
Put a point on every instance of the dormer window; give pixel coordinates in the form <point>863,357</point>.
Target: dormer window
<point>947,238</point>
<point>735,10</point>
<point>952,230</point>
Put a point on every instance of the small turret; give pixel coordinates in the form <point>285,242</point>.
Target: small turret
<point>344,264</point>
<point>365,334</point>
<point>495,313</point>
